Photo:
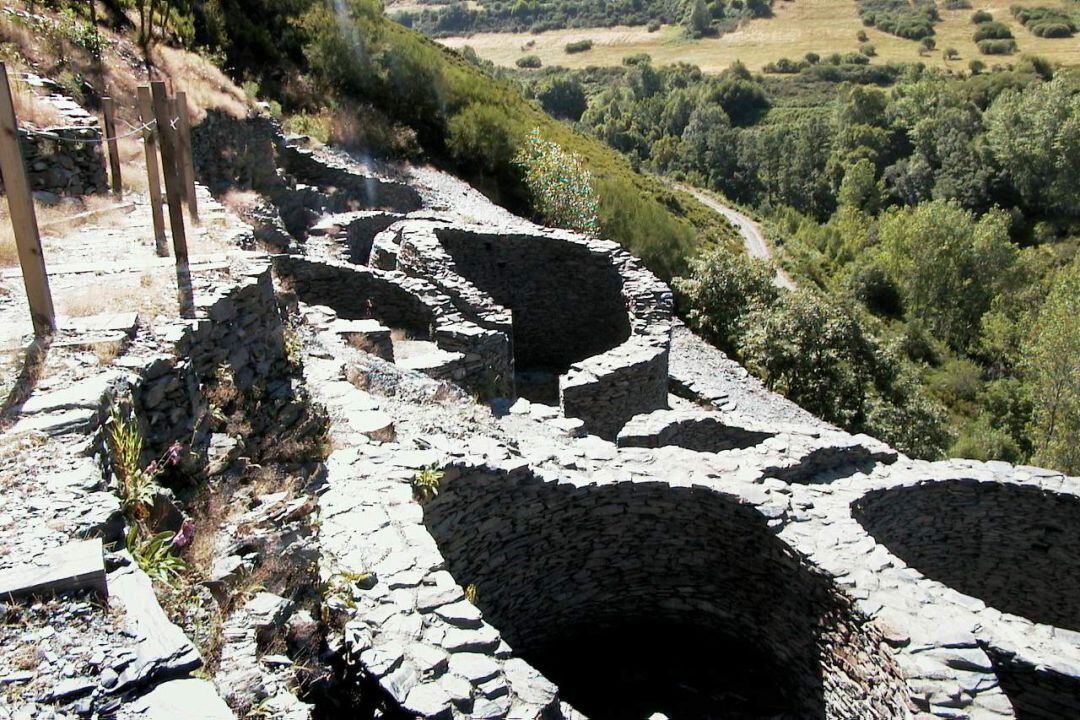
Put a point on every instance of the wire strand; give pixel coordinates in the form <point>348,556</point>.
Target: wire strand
<point>138,130</point>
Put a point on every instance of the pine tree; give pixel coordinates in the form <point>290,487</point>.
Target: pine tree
<point>698,21</point>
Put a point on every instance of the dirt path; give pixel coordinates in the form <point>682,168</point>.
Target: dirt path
<point>756,246</point>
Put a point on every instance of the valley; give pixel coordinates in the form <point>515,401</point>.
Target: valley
<point>797,27</point>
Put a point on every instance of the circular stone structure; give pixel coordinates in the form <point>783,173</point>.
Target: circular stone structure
<point>1012,546</point>
<point>637,598</point>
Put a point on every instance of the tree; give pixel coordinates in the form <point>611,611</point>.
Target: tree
<point>698,21</point>
<point>561,190</point>
<point>563,97</point>
<point>1052,363</point>
<point>1035,134</point>
<point>860,188</point>
<point>948,265</point>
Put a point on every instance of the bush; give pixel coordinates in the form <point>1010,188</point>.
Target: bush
<point>1045,22</point>
<point>813,58</point>
<point>976,66</point>
<point>957,4</point>
<point>951,53</point>
<point>578,46</point>
<point>861,36</point>
<point>993,30</point>
<point>783,66</point>
<point>653,26</point>
<point>560,188</point>
<point>723,287</point>
<point>981,16</point>
<point>528,61</point>
<point>997,47</point>
<point>868,49</point>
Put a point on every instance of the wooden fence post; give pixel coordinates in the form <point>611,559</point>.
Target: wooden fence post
<point>183,127</point>
<point>146,112</point>
<point>23,217</point>
<point>108,109</point>
<point>173,196</point>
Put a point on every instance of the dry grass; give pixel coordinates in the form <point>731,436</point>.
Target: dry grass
<point>59,220</point>
<point>207,87</point>
<point>150,294</point>
<point>799,27</point>
<point>32,109</point>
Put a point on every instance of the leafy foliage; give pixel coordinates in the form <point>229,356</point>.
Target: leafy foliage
<point>561,190</point>
<point>1052,360</point>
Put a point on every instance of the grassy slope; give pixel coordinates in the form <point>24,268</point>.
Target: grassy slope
<point>662,226</point>
<point>798,27</point>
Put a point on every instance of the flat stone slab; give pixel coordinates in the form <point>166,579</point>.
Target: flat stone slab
<point>163,649</point>
<point>189,699</point>
<point>85,394</point>
<point>75,566</point>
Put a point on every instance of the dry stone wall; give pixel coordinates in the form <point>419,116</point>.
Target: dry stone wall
<point>574,306</point>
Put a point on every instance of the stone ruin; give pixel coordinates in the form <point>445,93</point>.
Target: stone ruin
<point>65,160</point>
<point>546,499</point>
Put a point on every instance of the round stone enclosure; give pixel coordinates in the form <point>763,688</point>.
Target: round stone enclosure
<point>1012,546</point>
<point>636,598</point>
<point>566,301</point>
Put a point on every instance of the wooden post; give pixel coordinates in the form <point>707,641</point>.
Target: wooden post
<point>108,109</point>
<point>23,217</point>
<point>173,196</point>
<point>183,127</point>
<point>146,112</point>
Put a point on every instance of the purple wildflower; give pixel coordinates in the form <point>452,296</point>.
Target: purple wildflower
<point>184,535</point>
<point>173,453</point>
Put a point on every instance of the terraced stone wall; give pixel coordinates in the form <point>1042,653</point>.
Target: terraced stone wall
<point>60,161</point>
<point>241,341</point>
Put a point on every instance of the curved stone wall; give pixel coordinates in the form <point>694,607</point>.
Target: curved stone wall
<point>1012,546</point>
<point>575,306</point>
<point>556,564</point>
<point>476,358</point>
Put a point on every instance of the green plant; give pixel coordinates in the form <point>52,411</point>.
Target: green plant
<point>578,46</point>
<point>560,188</point>
<point>155,555</point>
<point>426,483</point>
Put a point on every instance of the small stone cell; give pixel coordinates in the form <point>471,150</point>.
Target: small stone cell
<point>1012,546</point>
<point>638,599</point>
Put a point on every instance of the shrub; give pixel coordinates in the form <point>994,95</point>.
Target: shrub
<point>653,26</point>
<point>997,47</point>
<point>783,66</point>
<point>722,288</point>
<point>578,46</point>
<point>560,188</point>
<point>861,36</point>
<point>868,49</point>
<point>812,57</point>
<point>951,53</point>
<point>981,16</point>
<point>957,4</point>
<point>528,61</point>
<point>976,66</point>
<point>1045,22</point>
<point>637,59</point>
<point>992,30</point>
